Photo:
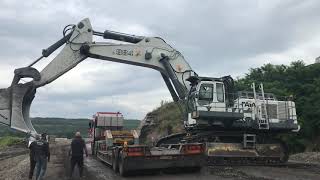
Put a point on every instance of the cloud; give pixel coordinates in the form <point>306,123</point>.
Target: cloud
<point>216,37</point>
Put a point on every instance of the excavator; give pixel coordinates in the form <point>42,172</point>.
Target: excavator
<point>237,127</point>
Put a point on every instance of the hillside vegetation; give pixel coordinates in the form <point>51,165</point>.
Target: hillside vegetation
<point>297,80</point>
<point>61,127</point>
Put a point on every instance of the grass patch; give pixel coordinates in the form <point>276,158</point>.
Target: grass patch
<point>9,141</point>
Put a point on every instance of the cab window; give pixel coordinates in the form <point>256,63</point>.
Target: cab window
<point>250,95</point>
<point>206,92</point>
<point>220,93</point>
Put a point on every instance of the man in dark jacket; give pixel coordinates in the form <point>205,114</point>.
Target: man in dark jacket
<point>78,146</point>
<point>41,154</point>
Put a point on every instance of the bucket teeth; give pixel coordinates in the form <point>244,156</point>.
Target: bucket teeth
<point>5,106</point>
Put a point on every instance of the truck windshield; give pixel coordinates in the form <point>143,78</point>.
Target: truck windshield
<point>206,92</point>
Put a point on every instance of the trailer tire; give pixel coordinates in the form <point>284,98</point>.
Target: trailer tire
<point>194,169</point>
<point>122,170</point>
<point>92,149</point>
<point>115,161</point>
<point>285,154</point>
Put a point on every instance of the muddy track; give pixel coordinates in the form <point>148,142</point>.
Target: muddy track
<point>15,166</point>
<point>13,152</point>
<point>291,171</point>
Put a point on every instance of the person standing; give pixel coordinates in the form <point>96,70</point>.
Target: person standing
<point>41,155</point>
<point>78,147</point>
<point>32,159</point>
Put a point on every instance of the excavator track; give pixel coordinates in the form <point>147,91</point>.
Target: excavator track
<point>236,154</point>
<point>244,161</point>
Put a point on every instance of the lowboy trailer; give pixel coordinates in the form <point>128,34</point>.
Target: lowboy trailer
<point>121,149</point>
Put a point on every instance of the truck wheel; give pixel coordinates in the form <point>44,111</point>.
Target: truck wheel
<point>92,148</point>
<point>122,170</point>
<point>115,162</point>
<point>284,157</point>
<point>194,169</point>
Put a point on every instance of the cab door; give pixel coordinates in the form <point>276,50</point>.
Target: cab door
<point>211,96</point>
<point>219,97</point>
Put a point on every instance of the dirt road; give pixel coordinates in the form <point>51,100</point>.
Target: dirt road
<point>16,168</point>
<point>291,172</point>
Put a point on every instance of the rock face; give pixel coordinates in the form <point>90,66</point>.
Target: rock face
<point>162,121</point>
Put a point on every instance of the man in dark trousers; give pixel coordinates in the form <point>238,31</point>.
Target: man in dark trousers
<point>77,147</point>
<point>41,155</point>
<point>32,160</point>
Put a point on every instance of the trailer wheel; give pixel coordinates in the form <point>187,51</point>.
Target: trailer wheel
<point>194,169</point>
<point>92,148</point>
<point>122,170</point>
<point>285,152</point>
<point>115,161</point>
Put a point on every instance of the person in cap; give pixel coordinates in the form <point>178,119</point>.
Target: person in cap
<point>78,148</point>
<point>41,155</point>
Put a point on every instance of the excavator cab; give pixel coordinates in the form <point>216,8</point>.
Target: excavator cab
<point>211,95</point>
<point>210,102</point>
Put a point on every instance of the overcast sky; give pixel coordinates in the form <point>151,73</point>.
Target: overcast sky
<point>217,38</point>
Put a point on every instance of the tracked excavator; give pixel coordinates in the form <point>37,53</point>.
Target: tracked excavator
<point>237,127</point>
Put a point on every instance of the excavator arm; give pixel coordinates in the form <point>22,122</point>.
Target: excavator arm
<point>149,52</point>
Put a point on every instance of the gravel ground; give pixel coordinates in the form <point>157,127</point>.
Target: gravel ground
<point>13,151</point>
<point>14,168</point>
<point>17,166</point>
<point>308,157</point>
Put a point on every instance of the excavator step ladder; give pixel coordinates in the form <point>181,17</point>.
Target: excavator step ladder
<point>261,110</point>
<point>263,123</point>
<point>249,141</point>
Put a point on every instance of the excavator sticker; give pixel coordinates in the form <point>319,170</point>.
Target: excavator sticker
<point>126,52</point>
<point>123,52</point>
<point>248,104</point>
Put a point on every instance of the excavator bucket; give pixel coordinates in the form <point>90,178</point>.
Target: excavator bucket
<point>16,100</point>
<point>15,104</point>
